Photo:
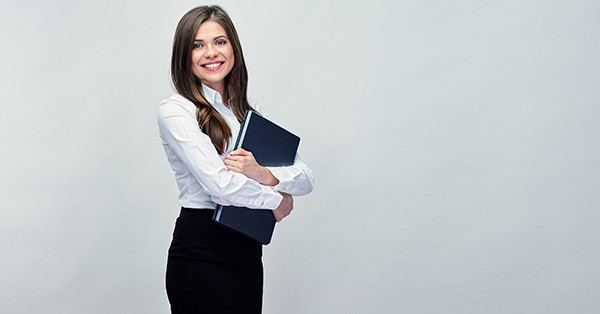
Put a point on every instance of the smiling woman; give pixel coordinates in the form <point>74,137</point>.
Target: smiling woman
<point>211,269</point>
<point>212,57</point>
<point>191,46</point>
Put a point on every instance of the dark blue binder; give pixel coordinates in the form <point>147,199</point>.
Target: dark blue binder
<point>271,146</point>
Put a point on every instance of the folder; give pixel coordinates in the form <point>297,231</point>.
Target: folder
<point>271,146</point>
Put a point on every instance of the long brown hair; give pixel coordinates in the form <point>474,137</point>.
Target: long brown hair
<point>189,86</point>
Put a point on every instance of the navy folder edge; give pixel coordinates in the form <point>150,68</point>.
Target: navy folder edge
<point>271,145</point>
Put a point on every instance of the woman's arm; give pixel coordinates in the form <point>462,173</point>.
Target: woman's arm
<point>242,161</point>
<point>296,179</point>
<point>284,208</point>
<point>179,129</point>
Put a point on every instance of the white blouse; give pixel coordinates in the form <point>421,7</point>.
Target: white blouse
<point>201,175</point>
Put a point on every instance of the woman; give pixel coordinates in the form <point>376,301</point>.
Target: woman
<point>211,269</point>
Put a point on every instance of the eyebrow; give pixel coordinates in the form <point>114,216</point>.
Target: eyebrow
<point>218,37</point>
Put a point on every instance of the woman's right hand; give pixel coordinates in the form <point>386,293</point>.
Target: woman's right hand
<point>284,208</point>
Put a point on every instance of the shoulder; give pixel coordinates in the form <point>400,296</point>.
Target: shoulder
<point>254,104</point>
<point>176,104</point>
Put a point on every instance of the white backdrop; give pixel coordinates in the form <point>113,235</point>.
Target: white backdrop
<point>454,146</point>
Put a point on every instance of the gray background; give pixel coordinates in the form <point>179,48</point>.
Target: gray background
<point>454,145</point>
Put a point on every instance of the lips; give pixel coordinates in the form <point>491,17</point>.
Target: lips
<point>212,65</point>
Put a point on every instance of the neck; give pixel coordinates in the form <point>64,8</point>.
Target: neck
<point>224,97</point>
<point>225,100</point>
<point>220,89</point>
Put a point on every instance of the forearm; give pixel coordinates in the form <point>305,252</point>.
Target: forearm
<point>266,177</point>
<point>296,179</point>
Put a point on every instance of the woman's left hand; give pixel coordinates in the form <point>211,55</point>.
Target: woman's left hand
<point>242,161</point>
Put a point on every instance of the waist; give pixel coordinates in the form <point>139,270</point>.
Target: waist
<point>196,213</point>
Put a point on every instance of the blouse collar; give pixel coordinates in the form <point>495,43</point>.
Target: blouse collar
<point>213,97</point>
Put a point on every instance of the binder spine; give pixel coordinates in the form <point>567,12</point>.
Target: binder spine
<point>243,129</point>
<point>218,211</point>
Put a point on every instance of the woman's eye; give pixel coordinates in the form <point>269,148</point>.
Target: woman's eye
<point>197,45</point>
<point>220,42</point>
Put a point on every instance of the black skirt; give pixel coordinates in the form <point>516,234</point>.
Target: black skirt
<point>211,269</point>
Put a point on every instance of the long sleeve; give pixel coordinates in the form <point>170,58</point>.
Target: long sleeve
<point>295,180</point>
<point>193,158</point>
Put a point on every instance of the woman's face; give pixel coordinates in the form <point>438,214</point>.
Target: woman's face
<point>212,55</point>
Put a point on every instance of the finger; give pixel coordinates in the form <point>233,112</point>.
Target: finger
<point>240,152</point>
<point>233,159</point>
<point>230,165</point>
<point>229,161</point>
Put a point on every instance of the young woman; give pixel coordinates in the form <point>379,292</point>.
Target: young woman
<point>211,269</point>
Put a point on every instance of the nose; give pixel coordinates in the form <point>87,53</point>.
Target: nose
<point>210,51</point>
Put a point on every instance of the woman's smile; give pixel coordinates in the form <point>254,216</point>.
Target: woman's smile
<point>212,55</point>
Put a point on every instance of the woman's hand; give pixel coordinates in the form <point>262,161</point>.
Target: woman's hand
<point>242,161</point>
<point>284,208</point>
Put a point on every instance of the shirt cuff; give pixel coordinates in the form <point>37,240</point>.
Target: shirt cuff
<point>270,202</point>
<point>270,199</point>
<point>285,178</point>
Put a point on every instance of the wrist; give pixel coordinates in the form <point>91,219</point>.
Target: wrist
<point>267,178</point>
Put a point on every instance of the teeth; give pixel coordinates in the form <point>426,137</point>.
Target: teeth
<point>212,65</point>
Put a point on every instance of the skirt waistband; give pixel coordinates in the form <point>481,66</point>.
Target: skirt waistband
<point>197,213</point>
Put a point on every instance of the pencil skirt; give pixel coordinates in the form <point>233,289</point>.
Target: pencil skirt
<point>212,269</point>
